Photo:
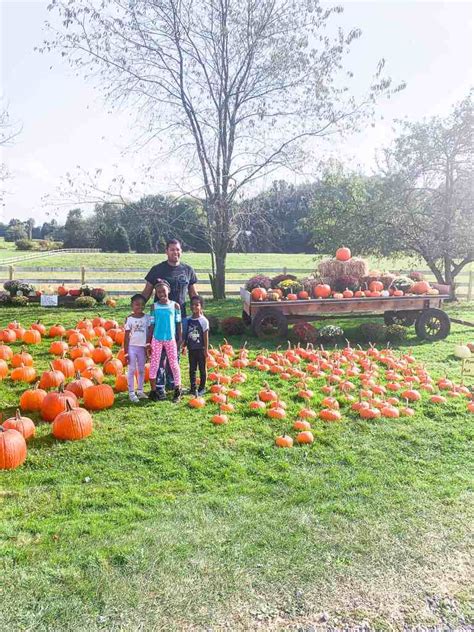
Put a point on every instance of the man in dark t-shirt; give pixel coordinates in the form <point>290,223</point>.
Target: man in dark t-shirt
<point>182,280</point>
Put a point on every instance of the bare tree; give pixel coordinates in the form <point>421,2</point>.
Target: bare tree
<point>236,88</point>
<point>8,131</point>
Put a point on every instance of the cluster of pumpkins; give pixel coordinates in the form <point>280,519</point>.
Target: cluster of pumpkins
<point>76,372</point>
<point>323,290</point>
<point>373,383</point>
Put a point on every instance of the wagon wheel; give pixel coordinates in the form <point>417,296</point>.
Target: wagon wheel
<point>432,324</point>
<point>270,323</point>
<point>406,319</point>
<point>246,318</point>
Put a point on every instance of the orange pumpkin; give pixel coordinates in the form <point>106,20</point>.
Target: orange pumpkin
<point>56,331</point>
<point>93,373</point>
<point>219,419</point>
<point>31,337</point>
<point>99,397</point>
<point>113,367</point>
<point>259,294</point>
<point>62,290</point>
<point>39,327</point>
<point>64,365</point>
<point>55,403</point>
<point>420,287</point>
<point>58,347</point>
<point>121,383</point>
<point>347,293</point>
<point>197,402</point>
<point>343,254</point>
<point>3,369</point>
<point>322,291</point>
<point>305,437</point>
<point>266,394</point>
<point>52,378</point>
<point>6,353</point>
<point>23,357</point>
<point>8,335</point>
<point>301,424</point>
<point>23,374</point>
<point>23,425</point>
<point>72,424</point>
<point>12,449</point>
<point>376,286</point>
<point>32,399</point>
<point>79,385</point>
<point>329,414</point>
<point>284,441</point>
<point>276,413</point>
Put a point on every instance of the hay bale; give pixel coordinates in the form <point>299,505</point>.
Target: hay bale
<point>332,268</point>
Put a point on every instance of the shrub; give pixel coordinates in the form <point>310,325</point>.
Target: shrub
<point>330,333</point>
<point>345,282</point>
<point>290,286</point>
<point>85,301</point>
<point>373,332</point>
<point>232,326</point>
<point>305,333</point>
<point>260,280</point>
<point>19,301</point>
<point>213,324</point>
<point>47,244</point>
<point>396,333</point>
<point>15,286</point>
<point>282,277</point>
<point>25,244</point>
<point>99,294</point>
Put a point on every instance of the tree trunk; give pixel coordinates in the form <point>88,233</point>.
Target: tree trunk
<point>449,278</point>
<point>219,278</point>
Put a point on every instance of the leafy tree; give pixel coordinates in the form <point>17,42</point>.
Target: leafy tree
<point>121,242</point>
<point>236,88</point>
<point>77,233</point>
<point>144,243</point>
<point>15,232</point>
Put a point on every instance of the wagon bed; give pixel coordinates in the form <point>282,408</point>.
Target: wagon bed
<point>271,318</point>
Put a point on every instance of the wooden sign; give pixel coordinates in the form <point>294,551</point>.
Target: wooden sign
<point>468,367</point>
<point>49,300</point>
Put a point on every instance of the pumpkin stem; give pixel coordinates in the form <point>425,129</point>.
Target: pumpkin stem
<point>17,414</point>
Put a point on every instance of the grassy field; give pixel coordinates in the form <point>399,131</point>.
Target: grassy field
<point>160,521</point>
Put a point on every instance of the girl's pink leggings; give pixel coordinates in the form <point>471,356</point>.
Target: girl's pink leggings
<point>171,353</point>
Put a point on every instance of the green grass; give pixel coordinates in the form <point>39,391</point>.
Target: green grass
<point>161,521</point>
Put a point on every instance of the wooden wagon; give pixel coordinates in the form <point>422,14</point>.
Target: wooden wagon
<point>270,319</point>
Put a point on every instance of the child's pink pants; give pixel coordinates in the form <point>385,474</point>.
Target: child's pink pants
<point>171,353</point>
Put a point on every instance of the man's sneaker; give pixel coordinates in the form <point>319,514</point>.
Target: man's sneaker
<point>133,398</point>
<point>201,392</point>
<point>153,396</point>
<point>177,395</point>
<point>141,395</point>
<point>160,395</point>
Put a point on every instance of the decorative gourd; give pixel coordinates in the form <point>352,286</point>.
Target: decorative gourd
<point>99,397</point>
<point>284,441</point>
<point>462,352</point>
<point>32,399</point>
<point>72,424</point>
<point>24,425</point>
<point>343,254</point>
<point>55,403</point>
<point>12,449</point>
<point>322,291</point>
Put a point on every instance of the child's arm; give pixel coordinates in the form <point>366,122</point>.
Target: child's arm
<point>179,327</point>
<point>126,342</point>
<point>206,342</point>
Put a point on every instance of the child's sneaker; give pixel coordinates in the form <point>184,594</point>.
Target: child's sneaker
<point>141,395</point>
<point>177,395</point>
<point>161,395</point>
<point>133,398</point>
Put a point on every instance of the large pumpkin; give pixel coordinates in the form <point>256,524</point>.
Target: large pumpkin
<point>65,365</point>
<point>79,385</point>
<point>24,425</point>
<point>22,357</point>
<point>23,374</point>
<point>55,403</point>
<point>322,291</point>
<point>420,287</point>
<point>72,424</point>
<point>52,378</point>
<point>12,449</point>
<point>98,397</point>
<point>31,337</point>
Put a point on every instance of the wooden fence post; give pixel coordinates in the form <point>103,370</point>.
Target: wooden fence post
<point>11,272</point>
<point>285,270</point>
<point>83,275</point>
<point>470,286</point>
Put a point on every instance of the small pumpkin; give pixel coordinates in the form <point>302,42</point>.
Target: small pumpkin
<point>219,419</point>
<point>32,399</point>
<point>65,365</point>
<point>78,385</point>
<point>284,441</point>
<point>343,254</point>
<point>12,449</point>
<point>259,294</point>
<point>52,378</point>
<point>31,337</point>
<point>330,414</point>
<point>23,425</point>
<point>58,347</point>
<point>322,290</point>
<point>22,358</point>
<point>6,352</point>
<point>56,331</point>
<point>305,437</point>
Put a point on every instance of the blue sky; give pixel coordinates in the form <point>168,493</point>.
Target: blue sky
<point>65,123</point>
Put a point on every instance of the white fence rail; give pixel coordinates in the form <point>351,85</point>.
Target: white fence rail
<point>83,275</point>
<point>40,254</point>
